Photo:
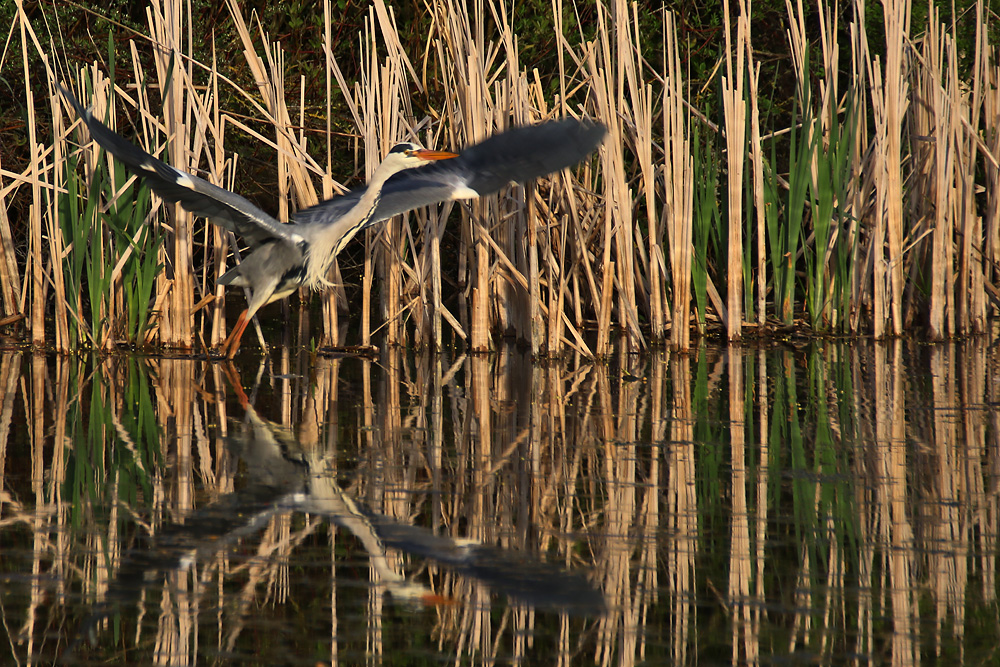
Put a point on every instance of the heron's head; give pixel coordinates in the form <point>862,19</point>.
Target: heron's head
<point>407,155</point>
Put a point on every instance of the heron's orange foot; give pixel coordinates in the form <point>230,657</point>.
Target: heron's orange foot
<point>435,600</point>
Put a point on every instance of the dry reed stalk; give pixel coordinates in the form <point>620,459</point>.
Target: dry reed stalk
<point>639,109</point>
<point>678,176</point>
<point>438,311</point>
<point>390,105</point>
<point>962,211</point>
<point>583,226</point>
<point>895,94</point>
<point>619,231</point>
<point>533,324</point>
<point>604,321</point>
<point>10,275</point>
<point>392,119</point>
<point>936,124</point>
<point>757,167</point>
<point>573,247</point>
<point>558,234</point>
<point>99,334</point>
<point>56,248</point>
<point>37,317</point>
<point>799,46</point>
<point>463,51</point>
<point>330,319</point>
<point>878,266</point>
<point>615,181</point>
<point>218,242</point>
<point>625,229</point>
<point>967,106</point>
<point>165,27</point>
<point>991,168</point>
<point>831,98</point>
<point>553,241</point>
<point>518,224</point>
<point>853,206</point>
<point>734,109</point>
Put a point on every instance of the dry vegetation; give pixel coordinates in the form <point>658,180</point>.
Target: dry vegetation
<point>884,217</point>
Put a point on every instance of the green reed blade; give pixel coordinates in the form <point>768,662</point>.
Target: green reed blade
<point>706,218</point>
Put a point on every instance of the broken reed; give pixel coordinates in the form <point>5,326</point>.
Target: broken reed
<point>813,225</point>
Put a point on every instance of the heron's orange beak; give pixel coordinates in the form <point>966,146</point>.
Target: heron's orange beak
<point>428,154</point>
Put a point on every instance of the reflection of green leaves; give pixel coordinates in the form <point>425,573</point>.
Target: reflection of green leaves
<point>708,429</point>
<point>809,460</point>
<point>113,441</point>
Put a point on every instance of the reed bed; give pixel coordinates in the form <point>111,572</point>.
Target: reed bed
<point>806,499</point>
<point>861,216</point>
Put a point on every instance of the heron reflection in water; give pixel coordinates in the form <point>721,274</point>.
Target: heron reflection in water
<point>280,473</point>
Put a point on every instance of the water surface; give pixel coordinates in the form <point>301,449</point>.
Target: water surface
<point>825,502</point>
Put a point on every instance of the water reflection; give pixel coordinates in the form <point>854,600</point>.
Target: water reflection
<point>831,503</point>
<point>280,472</point>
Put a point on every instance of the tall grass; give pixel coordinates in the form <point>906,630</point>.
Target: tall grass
<point>826,223</point>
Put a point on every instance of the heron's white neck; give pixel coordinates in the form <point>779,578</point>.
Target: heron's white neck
<point>331,241</point>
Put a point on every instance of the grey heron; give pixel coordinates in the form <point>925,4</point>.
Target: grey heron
<point>287,255</point>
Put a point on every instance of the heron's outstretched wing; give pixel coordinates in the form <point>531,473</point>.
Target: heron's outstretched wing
<point>520,154</point>
<point>196,195</point>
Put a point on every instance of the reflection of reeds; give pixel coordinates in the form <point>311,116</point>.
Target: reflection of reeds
<point>744,641</point>
<point>681,510</point>
<point>864,500</point>
<point>588,249</point>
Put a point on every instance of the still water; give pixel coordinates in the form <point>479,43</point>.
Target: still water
<point>821,503</point>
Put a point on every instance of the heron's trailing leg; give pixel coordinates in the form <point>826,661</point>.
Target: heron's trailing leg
<point>232,343</point>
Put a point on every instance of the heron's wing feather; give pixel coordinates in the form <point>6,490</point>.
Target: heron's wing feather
<point>194,194</point>
<point>520,154</point>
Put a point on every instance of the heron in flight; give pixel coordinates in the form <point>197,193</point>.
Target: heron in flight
<point>287,255</point>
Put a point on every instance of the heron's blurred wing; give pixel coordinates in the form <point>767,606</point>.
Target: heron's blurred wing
<point>194,194</point>
<point>520,154</point>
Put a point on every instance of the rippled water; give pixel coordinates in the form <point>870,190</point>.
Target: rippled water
<point>832,503</point>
